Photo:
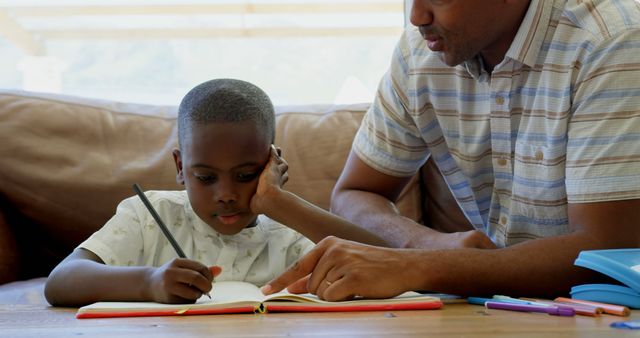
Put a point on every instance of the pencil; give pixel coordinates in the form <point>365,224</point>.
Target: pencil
<point>583,310</point>
<point>611,309</point>
<point>161,224</point>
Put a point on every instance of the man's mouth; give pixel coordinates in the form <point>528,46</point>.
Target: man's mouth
<point>434,41</point>
<point>435,44</point>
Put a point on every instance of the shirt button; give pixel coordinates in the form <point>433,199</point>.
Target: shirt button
<point>503,220</point>
<point>539,155</point>
<point>502,161</point>
<point>500,100</point>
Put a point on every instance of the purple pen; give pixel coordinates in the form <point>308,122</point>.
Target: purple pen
<point>552,310</point>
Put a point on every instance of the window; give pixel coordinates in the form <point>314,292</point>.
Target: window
<point>153,51</point>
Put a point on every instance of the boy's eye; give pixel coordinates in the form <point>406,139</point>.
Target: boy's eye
<point>206,178</point>
<point>244,177</point>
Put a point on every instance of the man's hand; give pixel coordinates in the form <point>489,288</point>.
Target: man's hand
<point>180,281</point>
<point>337,269</point>
<point>271,180</point>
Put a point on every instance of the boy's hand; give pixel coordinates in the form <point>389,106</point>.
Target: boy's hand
<point>271,180</point>
<point>180,281</point>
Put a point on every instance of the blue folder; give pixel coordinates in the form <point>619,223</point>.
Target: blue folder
<point>620,264</point>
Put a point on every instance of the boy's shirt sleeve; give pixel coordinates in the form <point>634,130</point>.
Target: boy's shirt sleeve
<point>120,240</point>
<point>298,248</point>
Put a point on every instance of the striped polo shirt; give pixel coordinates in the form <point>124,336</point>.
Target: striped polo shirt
<point>556,122</point>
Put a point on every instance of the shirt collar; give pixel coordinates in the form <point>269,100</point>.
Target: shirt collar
<point>526,44</point>
<point>528,41</point>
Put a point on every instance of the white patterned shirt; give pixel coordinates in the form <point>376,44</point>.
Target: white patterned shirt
<point>556,122</point>
<point>132,238</point>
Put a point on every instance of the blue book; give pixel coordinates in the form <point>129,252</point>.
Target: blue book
<point>620,264</point>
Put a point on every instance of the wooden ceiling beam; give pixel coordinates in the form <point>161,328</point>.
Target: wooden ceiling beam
<point>206,33</point>
<point>18,36</point>
<point>191,9</point>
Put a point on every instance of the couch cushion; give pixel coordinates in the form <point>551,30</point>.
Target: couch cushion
<point>67,162</point>
<point>316,142</point>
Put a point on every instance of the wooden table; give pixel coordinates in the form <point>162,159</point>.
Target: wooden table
<point>454,320</point>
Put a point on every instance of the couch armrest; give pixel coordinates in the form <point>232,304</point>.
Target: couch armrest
<point>66,164</point>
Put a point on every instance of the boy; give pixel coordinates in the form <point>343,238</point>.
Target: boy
<point>227,220</point>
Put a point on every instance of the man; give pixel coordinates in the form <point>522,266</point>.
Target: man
<point>531,112</point>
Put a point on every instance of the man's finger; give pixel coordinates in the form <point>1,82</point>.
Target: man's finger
<point>337,291</point>
<point>320,276</point>
<point>304,266</point>
<point>300,286</point>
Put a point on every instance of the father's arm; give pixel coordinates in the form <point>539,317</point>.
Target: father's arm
<point>366,197</point>
<point>542,267</point>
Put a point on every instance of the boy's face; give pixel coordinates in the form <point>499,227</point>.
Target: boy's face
<point>219,164</point>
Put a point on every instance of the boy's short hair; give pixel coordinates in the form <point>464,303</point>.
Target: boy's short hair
<point>226,100</point>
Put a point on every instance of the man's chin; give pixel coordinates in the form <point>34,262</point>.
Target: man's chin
<point>449,60</point>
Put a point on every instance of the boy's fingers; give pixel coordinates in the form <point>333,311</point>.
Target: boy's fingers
<point>186,292</point>
<point>283,166</point>
<point>201,268</point>
<point>196,280</point>
<point>274,152</point>
<point>303,267</point>
<point>215,270</point>
<point>197,276</point>
<point>206,273</point>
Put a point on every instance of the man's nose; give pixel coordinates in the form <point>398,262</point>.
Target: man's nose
<point>421,14</point>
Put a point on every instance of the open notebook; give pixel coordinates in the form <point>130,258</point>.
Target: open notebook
<point>242,297</point>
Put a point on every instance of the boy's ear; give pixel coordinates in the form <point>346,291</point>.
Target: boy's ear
<point>177,158</point>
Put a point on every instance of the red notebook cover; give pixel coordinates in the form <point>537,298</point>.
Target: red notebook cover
<point>241,297</point>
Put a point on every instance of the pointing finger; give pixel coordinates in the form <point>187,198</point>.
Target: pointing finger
<point>304,266</point>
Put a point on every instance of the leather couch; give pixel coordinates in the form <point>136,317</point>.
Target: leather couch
<point>66,162</point>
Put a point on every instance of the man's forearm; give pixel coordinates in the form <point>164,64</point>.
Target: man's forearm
<point>378,215</point>
<point>542,268</point>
